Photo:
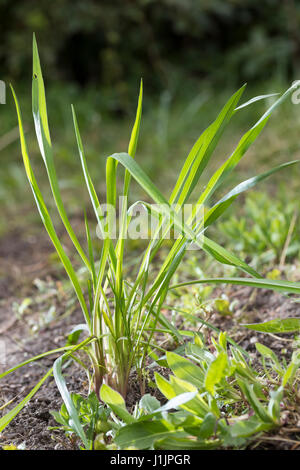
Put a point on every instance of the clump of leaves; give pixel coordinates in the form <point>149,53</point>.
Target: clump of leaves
<point>221,400</point>
<point>122,317</point>
<point>93,417</point>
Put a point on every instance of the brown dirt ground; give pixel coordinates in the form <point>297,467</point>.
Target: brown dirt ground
<point>23,258</point>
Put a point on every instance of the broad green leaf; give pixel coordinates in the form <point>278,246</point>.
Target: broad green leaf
<point>175,387</point>
<point>208,427</point>
<point>260,411</point>
<point>149,403</point>
<point>165,387</point>
<point>199,354</point>
<point>177,401</point>
<point>116,402</point>
<point>185,369</point>
<point>143,434</point>
<point>248,427</point>
<point>216,372</point>
<point>177,443</point>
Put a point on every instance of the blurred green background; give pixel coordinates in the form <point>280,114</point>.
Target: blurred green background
<point>192,54</point>
<point>114,43</point>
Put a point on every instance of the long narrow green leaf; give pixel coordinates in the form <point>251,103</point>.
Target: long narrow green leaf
<point>281,286</point>
<point>123,216</point>
<point>202,151</point>
<point>46,217</point>
<point>219,208</point>
<point>145,182</point>
<point>8,417</point>
<point>278,325</point>
<point>225,257</point>
<point>62,387</point>
<point>39,110</point>
<point>256,98</point>
<point>35,358</point>
<point>91,189</point>
<point>245,142</point>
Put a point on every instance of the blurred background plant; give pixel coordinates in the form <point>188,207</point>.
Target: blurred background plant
<point>192,55</point>
<point>114,43</point>
<point>268,229</point>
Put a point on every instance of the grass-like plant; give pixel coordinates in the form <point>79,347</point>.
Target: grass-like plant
<point>122,317</point>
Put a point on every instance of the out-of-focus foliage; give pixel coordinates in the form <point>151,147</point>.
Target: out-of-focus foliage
<point>267,229</point>
<point>162,40</point>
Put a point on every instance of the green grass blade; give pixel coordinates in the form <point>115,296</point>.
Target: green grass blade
<point>123,216</point>
<point>35,358</point>
<point>39,110</point>
<point>245,142</point>
<point>216,211</point>
<point>8,417</point>
<point>219,208</point>
<point>137,123</point>
<point>90,248</point>
<point>256,98</point>
<point>225,257</point>
<point>144,181</point>
<point>91,189</point>
<point>62,387</point>
<point>201,152</point>
<point>280,286</point>
<point>278,325</point>
<point>222,172</point>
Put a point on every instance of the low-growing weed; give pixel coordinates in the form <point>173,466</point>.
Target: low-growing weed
<point>266,231</point>
<point>216,399</point>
